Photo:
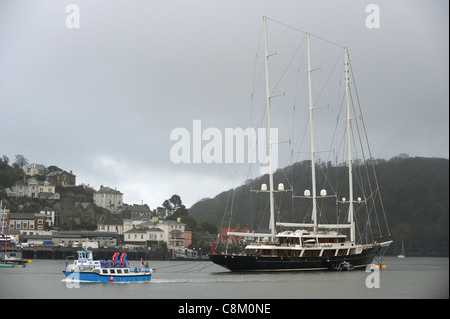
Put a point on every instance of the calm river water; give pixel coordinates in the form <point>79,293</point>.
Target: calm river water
<point>412,277</point>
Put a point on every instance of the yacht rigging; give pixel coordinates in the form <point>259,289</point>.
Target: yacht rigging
<point>309,246</point>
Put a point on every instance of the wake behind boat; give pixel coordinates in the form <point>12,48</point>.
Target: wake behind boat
<point>314,245</point>
<point>86,269</point>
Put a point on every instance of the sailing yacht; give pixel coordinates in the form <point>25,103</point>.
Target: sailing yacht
<point>303,246</point>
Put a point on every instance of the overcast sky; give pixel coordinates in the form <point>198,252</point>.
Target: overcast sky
<point>102,99</point>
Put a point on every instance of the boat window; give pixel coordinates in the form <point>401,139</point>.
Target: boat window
<point>105,271</point>
<point>329,252</point>
<point>113,271</point>
<point>342,252</point>
<point>266,252</point>
<point>126,271</point>
<point>311,253</point>
<point>119,271</point>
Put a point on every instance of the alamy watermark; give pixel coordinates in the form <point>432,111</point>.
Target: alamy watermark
<point>373,279</point>
<point>373,19</point>
<point>73,19</point>
<point>234,145</point>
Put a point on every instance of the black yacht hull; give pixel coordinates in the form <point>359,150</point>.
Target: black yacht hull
<point>258,263</point>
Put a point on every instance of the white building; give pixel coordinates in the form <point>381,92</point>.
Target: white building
<point>110,224</point>
<point>34,189</point>
<point>109,198</point>
<point>49,216</point>
<point>173,233</point>
<point>170,231</point>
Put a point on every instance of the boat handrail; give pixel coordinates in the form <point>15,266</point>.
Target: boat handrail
<point>141,269</point>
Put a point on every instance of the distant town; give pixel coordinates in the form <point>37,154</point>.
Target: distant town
<point>44,207</point>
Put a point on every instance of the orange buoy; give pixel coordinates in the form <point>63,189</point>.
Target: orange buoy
<point>111,278</point>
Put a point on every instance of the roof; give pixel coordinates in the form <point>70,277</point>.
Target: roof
<point>45,183</point>
<point>38,166</point>
<point>54,173</point>
<point>110,220</point>
<point>173,222</point>
<point>21,216</point>
<point>138,208</point>
<point>136,230</point>
<point>108,190</point>
<point>82,234</point>
<point>83,205</point>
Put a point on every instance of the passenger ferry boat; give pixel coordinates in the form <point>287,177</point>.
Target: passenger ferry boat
<point>314,245</point>
<point>86,269</point>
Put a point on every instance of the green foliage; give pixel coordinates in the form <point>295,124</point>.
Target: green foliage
<point>175,207</point>
<point>9,174</point>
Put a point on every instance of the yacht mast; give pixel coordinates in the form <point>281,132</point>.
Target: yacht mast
<point>313,154</point>
<point>269,137</point>
<point>350,168</point>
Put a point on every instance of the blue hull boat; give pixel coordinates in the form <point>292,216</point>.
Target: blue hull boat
<point>86,269</point>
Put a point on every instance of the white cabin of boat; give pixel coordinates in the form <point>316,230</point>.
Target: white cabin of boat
<point>302,243</point>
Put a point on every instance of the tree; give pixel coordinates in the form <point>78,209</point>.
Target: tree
<point>174,207</point>
<point>21,161</point>
<point>208,227</point>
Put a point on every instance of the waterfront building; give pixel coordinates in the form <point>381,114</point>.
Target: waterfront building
<point>27,223</point>
<point>77,238</point>
<point>110,223</point>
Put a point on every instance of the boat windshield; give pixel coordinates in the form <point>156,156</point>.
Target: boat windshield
<point>85,255</point>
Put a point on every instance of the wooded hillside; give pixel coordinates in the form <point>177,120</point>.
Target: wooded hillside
<point>415,194</point>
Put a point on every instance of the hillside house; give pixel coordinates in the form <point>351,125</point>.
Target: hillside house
<point>61,178</point>
<point>109,198</point>
<point>34,189</point>
<point>70,212</point>
<point>35,169</point>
